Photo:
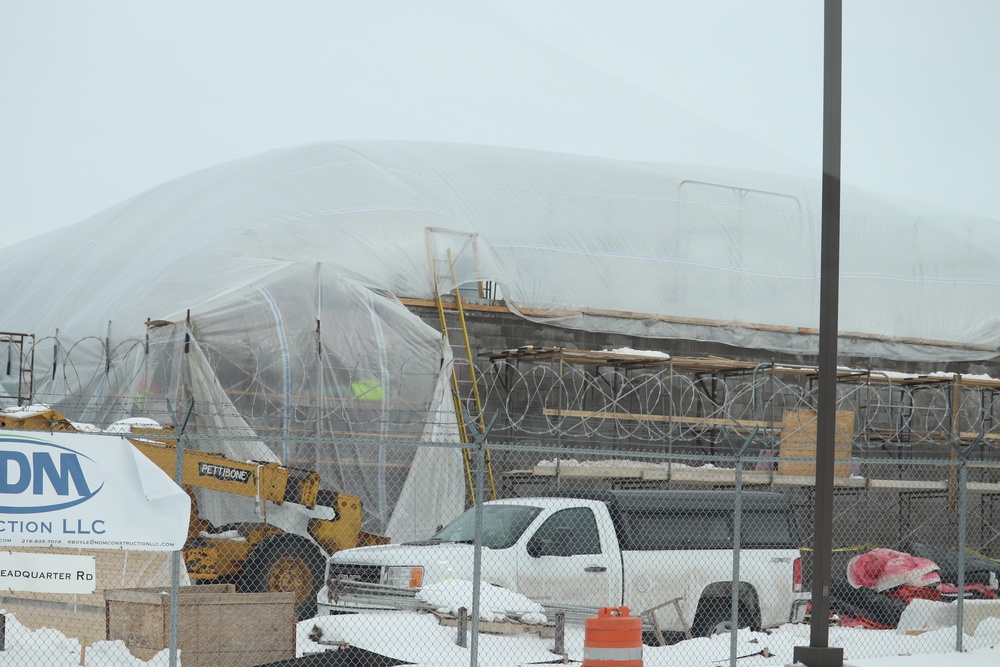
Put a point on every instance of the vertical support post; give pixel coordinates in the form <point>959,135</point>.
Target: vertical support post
<point>819,653</point>
<point>560,634</point>
<point>734,595</point>
<point>670,405</point>
<point>463,627</point>
<point>3,632</point>
<point>477,561</point>
<point>963,506</point>
<point>175,557</point>
<point>734,601</point>
<point>559,432</point>
<point>955,403</point>
<point>963,478</point>
<point>175,577</point>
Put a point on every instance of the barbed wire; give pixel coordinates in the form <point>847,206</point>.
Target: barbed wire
<point>647,408</point>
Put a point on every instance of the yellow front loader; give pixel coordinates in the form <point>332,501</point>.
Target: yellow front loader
<point>256,556</point>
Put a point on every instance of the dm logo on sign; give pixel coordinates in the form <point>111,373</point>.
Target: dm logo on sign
<point>38,476</point>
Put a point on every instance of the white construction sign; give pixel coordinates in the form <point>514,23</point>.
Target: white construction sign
<point>87,491</point>
<point>47,573</point>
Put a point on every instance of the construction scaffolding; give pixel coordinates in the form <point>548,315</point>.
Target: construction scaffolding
<point>625,398</point>
<point>697,404</point>
<point>620,418</point>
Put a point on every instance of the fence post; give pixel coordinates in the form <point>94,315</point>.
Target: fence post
<point>478,554</point>
<point>734,595</point>
<point>963,483</point>
<point>477,558</point>
<point>175,557</point>
<point>963,478</point>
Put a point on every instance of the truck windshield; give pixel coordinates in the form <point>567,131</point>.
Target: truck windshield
<point>502,525</point>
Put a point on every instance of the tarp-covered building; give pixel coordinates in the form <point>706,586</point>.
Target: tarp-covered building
<point>267,289</point>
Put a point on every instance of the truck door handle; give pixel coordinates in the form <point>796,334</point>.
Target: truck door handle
<point>595,568</point>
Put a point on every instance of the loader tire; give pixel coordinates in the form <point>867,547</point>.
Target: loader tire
<point>285,563</point>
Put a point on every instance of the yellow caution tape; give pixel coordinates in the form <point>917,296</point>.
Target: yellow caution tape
<point>868,546</point>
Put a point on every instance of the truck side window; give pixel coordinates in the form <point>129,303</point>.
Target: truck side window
<point>654,531</point>
<point>769,530</point>
<point>575,529</point>
<point>502,525</point>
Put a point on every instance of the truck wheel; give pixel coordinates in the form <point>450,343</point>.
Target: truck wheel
<point>285,563</point>
<point>714,617</point>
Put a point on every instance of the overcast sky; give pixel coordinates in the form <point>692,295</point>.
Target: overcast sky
<point>103,99</point>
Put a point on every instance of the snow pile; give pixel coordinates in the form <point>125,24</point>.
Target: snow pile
<point>115,654</point>
<point>652,354</point>
<point>233,535</point>
<point>25,411</point>
<point>50,648</point>
<point>125,425</point>
<point>616,463</point>
<point>419,639</point>
<point>495,603</point>
<point>929,615</point>
<point>41,648</point>
<point>604,463</point>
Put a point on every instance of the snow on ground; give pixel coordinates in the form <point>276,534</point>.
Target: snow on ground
<point>418,638</point>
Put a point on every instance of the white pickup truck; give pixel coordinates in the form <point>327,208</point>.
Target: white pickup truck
<point>667,551</point>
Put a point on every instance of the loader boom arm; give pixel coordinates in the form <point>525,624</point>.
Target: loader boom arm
<point>265,481</point>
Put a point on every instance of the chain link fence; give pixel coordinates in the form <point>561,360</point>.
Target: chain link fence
<point>511,581</point>
<point>681,489</point>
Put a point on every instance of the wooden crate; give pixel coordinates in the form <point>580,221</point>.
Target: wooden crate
<point>798,441</point>
<point>216,626</point>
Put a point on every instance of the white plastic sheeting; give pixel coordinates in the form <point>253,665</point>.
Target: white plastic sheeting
<point>283,269</point>
<point>430,497</point>
<point>691,252</point>
<point>259,360</point>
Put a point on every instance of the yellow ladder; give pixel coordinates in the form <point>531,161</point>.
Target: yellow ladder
<point>462,358</point>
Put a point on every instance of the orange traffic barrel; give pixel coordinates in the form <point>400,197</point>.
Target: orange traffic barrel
<point>612,639</point>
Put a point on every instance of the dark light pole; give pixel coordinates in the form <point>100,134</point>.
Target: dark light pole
<point>819,653</point>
